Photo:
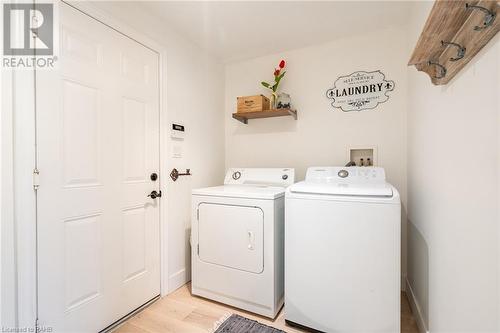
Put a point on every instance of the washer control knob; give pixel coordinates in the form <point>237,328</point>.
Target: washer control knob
<point>343,173</point>
<point>284,177</point>
<point>236,175</point>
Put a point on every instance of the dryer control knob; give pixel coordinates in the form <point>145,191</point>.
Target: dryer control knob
<point>343,173</point>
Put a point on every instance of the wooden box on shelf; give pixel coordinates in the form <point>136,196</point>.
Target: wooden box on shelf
<point>252,103</point>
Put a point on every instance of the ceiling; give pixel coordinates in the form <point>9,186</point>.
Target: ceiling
<point>236,30</point>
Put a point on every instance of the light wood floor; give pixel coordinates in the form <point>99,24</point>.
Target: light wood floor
<point>181,312</point>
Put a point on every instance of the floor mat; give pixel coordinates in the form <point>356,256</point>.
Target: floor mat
<point>238,324</point>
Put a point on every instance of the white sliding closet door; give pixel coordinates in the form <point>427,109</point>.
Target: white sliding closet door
<point>98,144</point>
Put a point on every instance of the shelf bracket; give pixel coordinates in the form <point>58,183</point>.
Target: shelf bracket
<point>293,113</point>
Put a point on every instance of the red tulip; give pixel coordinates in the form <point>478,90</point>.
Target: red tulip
<point>282,64</point>
<point>276,72</point>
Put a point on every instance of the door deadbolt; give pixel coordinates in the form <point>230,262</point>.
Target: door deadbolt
<point>154,176</point>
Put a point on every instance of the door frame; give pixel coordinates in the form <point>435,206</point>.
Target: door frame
<point>17,176</point>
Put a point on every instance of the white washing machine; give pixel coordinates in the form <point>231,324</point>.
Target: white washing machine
<point>342,251</point>
<point>237,240</point>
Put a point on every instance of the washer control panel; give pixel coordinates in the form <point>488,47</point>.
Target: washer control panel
<point>345,174</point>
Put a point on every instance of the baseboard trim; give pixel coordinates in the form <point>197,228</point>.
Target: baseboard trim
<point>177,280</point>
<point>415,308</point>
<point>403,282</point>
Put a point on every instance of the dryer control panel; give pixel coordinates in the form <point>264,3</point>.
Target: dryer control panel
<point>345,175</point>
<point>260,176</point>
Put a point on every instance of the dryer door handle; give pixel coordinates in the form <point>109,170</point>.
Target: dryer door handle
<point>251,240</point>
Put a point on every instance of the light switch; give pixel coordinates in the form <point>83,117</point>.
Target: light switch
<point>176,151</point>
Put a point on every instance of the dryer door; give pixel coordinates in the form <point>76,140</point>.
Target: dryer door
<point>231,236</point>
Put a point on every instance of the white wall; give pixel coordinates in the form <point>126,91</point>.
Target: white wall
<point>195,99</point>
<point>453,191</point>
<point>321,134</point>
<point>195,88</point>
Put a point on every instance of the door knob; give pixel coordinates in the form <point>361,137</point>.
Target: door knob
<point>154,194</point>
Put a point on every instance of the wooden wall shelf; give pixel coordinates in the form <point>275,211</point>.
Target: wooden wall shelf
<point>460,22</point>
<point>244,116</point>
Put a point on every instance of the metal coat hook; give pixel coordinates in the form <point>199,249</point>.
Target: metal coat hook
<point>489,16</point>
<point>175,174</point>
<point>443,69</point>
<point>460,52</point>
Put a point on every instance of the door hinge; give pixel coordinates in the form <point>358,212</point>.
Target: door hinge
<point>198,249</point>
<point>198,214</point>
<point>36,179</point>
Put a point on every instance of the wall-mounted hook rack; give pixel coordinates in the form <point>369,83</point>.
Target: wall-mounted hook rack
<point>453,24</point>
<point>489,16</point>
<point>174,174</point>
<point>460,50</point>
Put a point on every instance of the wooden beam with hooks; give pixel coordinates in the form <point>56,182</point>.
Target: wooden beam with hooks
<point>454,33</point>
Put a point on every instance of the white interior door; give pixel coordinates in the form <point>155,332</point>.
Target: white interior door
<point>98,144</point>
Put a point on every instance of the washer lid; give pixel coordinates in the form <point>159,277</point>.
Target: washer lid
<point>242,191</point>
<point>343,189</point>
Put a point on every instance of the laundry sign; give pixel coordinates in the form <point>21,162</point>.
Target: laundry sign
<point>360,91</point>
